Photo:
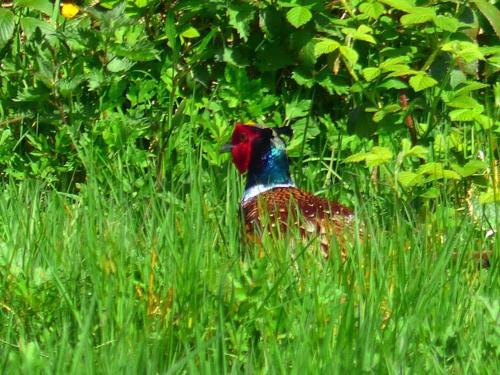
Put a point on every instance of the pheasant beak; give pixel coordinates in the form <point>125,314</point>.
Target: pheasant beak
<point>226,148</point>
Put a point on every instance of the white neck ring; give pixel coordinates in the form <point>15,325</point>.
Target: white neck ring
<point>259,189</point>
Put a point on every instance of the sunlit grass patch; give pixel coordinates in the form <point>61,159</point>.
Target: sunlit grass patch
<point>165,280</point>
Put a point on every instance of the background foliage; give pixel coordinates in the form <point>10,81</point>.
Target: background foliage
<point>120,246</point>
<point>411,85</point>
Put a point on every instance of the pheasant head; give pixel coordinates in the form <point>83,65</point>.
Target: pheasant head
<point>261,153</point>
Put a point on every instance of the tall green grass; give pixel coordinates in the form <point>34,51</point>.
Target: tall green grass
<point>161,281</point>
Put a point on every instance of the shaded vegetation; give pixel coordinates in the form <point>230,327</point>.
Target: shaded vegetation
<point>120,245</point>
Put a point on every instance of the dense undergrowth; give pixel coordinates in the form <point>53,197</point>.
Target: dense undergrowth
<point>164,283</point>
<point>120,241</point>
<point>365,80</point>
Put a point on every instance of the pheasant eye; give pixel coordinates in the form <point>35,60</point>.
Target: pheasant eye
<point>243,138</point>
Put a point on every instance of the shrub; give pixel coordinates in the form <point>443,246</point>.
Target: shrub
<point>408,87</point>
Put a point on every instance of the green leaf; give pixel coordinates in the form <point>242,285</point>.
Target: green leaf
<point>431,193</point>
<point>463,102</point>
<point>393,83</point>
<point>324,46</point>
<point>46,71</point>
<point>399,73</point>
<point>491,13</point>
<point>190,33</point>
<point>447,23</point>
<point>486,122</point>
<point>119,65</point>
<point>391,108</point>
<point>456,78</point>
<point>376,156</point>
<point>4,134</point>
<point>364,37</point>
<point>171,32</point>
<point>471,86</point>
<point>393,61</point>
<point>332,83</point>
<point>415,18</point>
<point>355,158</point>
<point>409,179</point>
<point>371,73</point>
<point>68,86</point>
<point>7,26</point>
<point>141,52</point>
<point>471,168</point>
<point>437,171</point>
<point>235,56</point>
<point>303,78</point>
<point>30,24</point>
<point>302,42</point>
<point>141,3</point>
<point>490,196</point>
<point>403,5</point>
<point>298,16</point>
<point>466,50</point>
<point>372,10</point>
<point>422,81</point>
<point>349,54</point>
<point>463,114</point>
<point>241,17</point>
<point>490,50</point>
<point>306,54</point>
<point>362,33</point>
<point>365,29</point>
<point>397,68</point>
<point>379,116</point>
<point>43,6</point>
<point>418,15</point>
<point>297,108</point>
<point>417,151</point>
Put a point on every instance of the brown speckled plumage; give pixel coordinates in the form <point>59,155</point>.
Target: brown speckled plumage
<point>314,216</point>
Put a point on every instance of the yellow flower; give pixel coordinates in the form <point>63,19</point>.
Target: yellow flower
<point>69,10</point>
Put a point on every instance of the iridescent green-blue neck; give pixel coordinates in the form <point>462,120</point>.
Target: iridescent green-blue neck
<point>269,166</point>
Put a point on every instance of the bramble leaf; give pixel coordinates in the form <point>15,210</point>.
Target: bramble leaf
<point>465,114</point>
<point>7,25</point>
<point>349,54</point>
<point>371,73</point>
<point>372,10</point>
<point>463,102</point>
<point>43,6</point>
<point>409,179</point>
<point>447,23</point>
<point>422,81</point>
<point>190,32</point>
<point>418,15</point>
<point>240,17</point>
<point>324,46</point>
<point>376,156</point>
<point>298,16</point>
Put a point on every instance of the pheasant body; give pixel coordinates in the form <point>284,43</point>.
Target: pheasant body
<point>278,208</point>
<point>271,201</point>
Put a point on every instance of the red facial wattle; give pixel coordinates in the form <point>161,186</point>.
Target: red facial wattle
<point>241,156</point>
<point>242,144</point>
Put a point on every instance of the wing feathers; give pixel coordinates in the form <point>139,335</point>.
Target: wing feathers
<point>291,206</point>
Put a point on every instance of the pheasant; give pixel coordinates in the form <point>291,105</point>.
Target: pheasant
<point>271,201</point>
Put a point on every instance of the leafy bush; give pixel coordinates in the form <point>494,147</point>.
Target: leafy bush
<point>393,102</point>
<point>408,87</point>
